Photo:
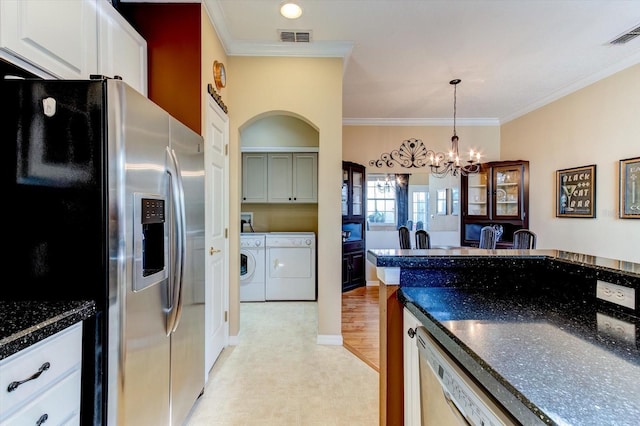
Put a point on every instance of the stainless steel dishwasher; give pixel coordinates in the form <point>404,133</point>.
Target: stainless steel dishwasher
<point>448,395</point>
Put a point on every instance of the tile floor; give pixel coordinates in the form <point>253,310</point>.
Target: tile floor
<point>279,375</point>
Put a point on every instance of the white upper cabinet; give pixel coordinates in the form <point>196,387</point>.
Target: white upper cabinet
<point>59,37</point>
<point>293,178</point>
<point>121,51</point>
<point>73,39</point>
<point>305,177</point>
<point>280,177</point>
<point>254,178</point>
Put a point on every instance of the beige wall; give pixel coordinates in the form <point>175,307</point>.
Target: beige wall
<point>283,217</point>
<point>309,89</point>
<point>599,125</point>
<point>279,130</point>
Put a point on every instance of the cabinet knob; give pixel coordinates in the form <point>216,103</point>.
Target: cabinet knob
<point>411,332</point>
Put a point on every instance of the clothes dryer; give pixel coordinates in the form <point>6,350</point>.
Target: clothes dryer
<point>252,267</point>
<point>291,266</point>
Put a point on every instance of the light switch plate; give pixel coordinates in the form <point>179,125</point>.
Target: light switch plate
<point>620,295</point>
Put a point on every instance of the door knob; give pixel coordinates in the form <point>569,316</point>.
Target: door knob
<point>213,251</point>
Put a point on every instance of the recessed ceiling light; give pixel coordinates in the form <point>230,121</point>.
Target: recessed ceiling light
<point>290,10</point>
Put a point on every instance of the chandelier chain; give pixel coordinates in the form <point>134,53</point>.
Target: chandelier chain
<point>413,153</point>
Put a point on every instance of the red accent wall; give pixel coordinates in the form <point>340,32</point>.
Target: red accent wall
<point>173,35</point>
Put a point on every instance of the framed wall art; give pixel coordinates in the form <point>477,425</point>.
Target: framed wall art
<point>576,192</point>
<point>630,188</point>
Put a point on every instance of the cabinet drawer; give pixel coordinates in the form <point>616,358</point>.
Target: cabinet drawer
<point>58,405</point>
<point>63,352</point>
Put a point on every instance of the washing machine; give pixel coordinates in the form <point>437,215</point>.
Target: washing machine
<point>252,267</point>
<point>291,266</point>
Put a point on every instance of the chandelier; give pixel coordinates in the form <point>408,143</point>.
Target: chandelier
<point>443,164</point>
<point>414,154</point>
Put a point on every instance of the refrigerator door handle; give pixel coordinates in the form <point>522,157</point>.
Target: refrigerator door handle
<point>177,237</point>
<point>179,245</point>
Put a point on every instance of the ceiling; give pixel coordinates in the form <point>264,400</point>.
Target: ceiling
<point>512,56</point>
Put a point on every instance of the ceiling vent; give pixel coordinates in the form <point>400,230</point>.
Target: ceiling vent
<point>627,36</point>
<point>292,36</point>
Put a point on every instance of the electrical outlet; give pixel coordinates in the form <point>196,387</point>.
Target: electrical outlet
<point>618,329</point>
<point>620,295</point>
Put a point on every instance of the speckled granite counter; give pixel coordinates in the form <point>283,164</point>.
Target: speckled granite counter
<point>23,323</point>
<point>528,327</point>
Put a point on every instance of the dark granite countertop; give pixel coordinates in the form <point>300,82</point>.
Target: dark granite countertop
<point>527,325</point>
<point>23,323</point>
<point>546,360</point>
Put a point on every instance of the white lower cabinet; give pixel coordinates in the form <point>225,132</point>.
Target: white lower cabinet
<point>41,384</point>
<point>411,370</point>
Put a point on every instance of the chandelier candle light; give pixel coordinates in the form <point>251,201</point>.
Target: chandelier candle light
<point>413,153</point>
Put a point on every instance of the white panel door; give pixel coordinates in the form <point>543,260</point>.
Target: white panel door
<point>217,218</point>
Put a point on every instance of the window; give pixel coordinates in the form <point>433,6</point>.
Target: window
<point>419,205</point>
<point>381,199</point>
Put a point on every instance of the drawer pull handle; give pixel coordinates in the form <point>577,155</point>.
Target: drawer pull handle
<point>14,385</point>
<point>43,418</point>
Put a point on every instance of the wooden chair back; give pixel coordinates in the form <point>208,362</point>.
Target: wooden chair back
<point>487,238</point>
<point>404,237</point>
<point>524,239</point>
<point>422,239</point>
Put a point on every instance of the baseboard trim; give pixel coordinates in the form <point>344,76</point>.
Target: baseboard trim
<point>234,340</point>
<point>329,339</point>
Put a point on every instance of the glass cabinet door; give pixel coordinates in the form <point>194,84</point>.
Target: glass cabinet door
<point>357,193</point>
<point>477,194</point>
<point>508,189</point>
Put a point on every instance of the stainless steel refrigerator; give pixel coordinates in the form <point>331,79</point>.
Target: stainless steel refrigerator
<point>107,203</point>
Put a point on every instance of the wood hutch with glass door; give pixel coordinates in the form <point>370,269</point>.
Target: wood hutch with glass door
<point>353,225</point>
<point>497,195</point>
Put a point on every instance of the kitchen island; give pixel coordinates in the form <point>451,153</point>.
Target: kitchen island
<point>527,325</point>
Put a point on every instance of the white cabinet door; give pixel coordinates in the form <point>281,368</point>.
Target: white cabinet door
<point>59,37</point>
<point>411,370</point>
<point>121,51</point>
<point>28,379</point>
<point>305,178</point>
<point>280,178</point>
<point>254,178</point>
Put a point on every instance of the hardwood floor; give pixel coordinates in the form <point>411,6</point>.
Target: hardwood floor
<point>361,324</point>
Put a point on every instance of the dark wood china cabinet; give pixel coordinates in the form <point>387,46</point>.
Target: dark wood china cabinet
<point>497,195</point>
<point>353,225</point>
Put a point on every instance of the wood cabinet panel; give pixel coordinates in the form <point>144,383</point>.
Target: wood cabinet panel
<point>353,226</point>
<point>497,195</point>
